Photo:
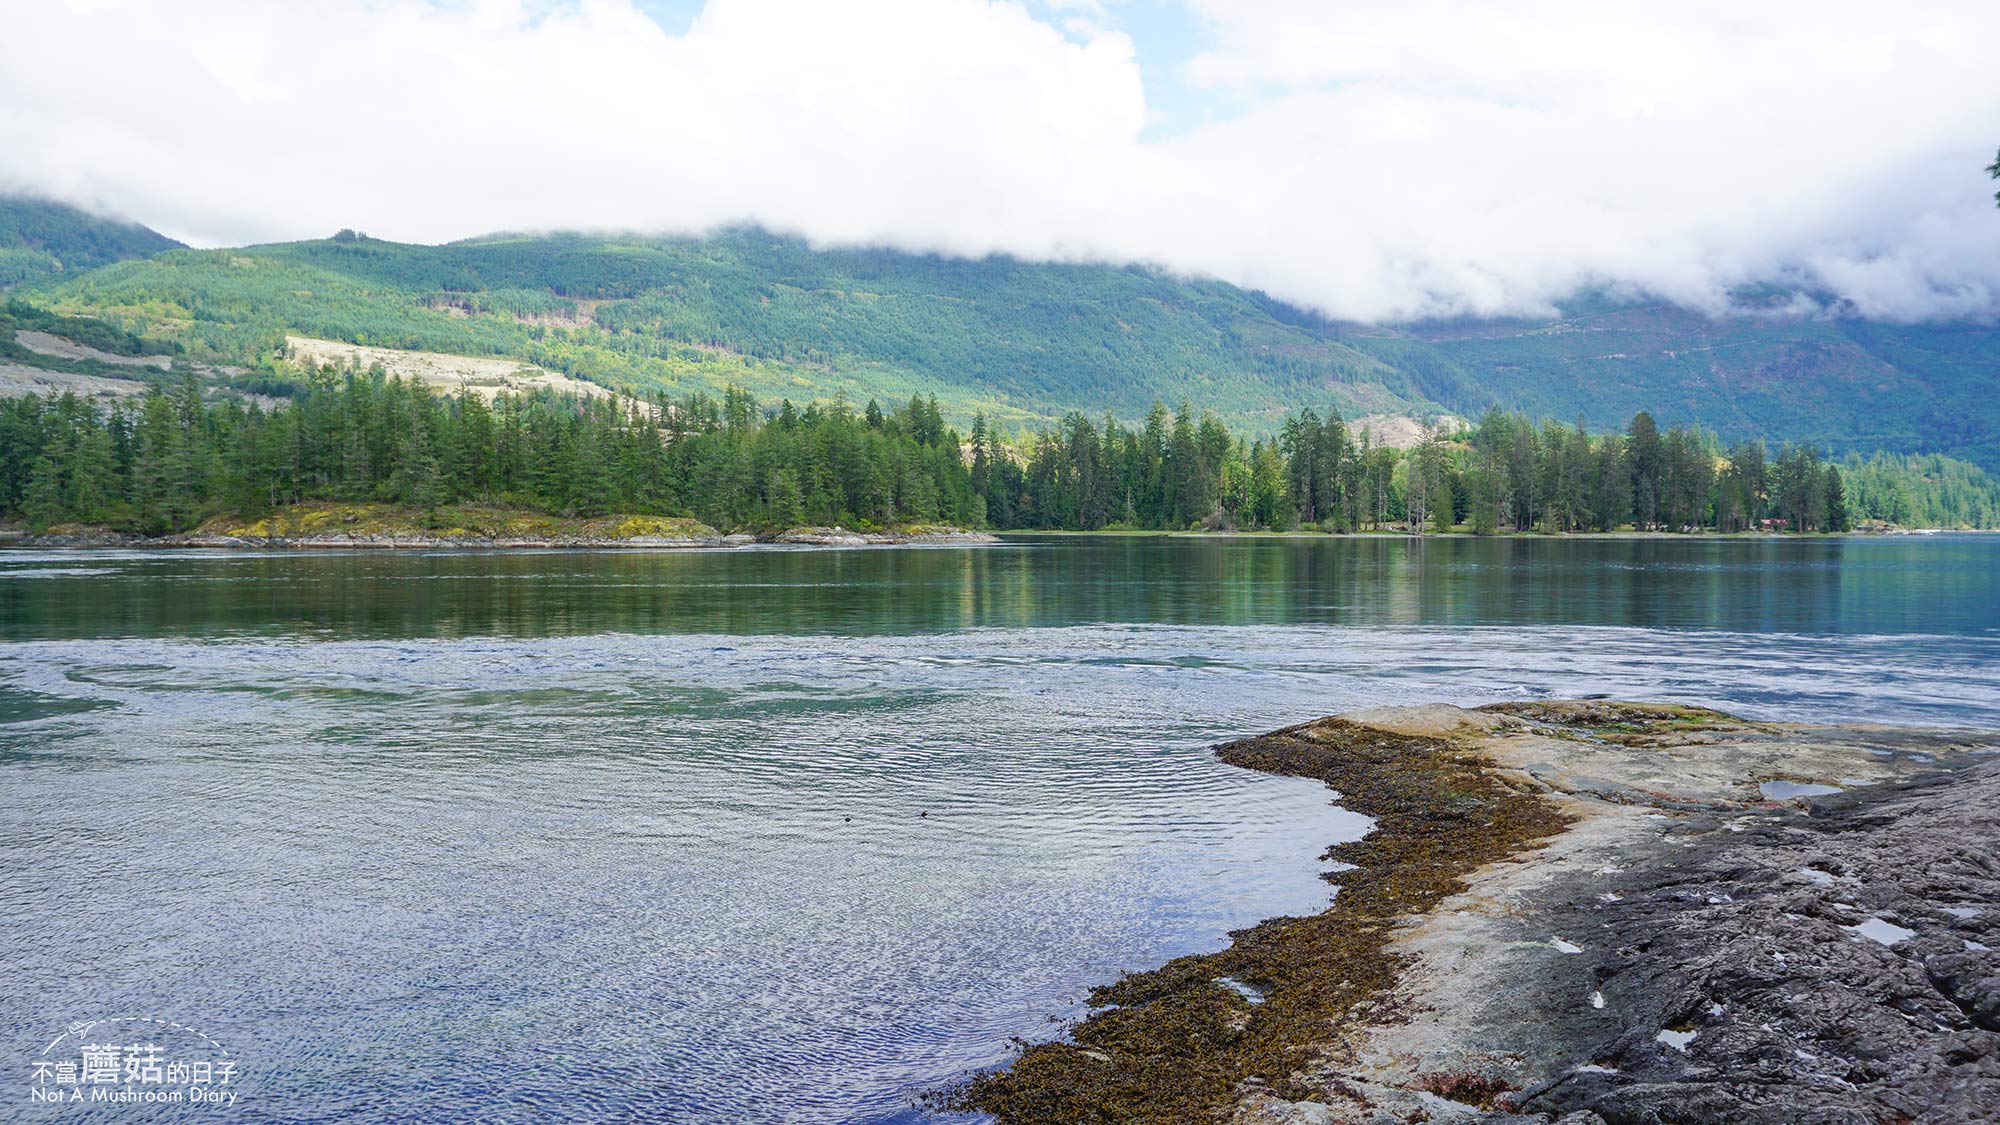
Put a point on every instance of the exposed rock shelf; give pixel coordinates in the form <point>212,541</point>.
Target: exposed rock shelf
<point>1587,911</point>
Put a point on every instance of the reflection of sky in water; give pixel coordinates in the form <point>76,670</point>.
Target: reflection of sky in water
<point>497,834</point>
<point>1786,790</point>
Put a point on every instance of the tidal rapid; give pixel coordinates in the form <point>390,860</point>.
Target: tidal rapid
<point>757,835</point>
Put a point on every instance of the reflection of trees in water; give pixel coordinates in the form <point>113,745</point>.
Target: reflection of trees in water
<point>1940,584</point>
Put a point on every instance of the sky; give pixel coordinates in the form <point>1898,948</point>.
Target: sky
<point>1372,160</point>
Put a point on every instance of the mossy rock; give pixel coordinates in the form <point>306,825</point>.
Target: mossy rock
<point>655,527</point>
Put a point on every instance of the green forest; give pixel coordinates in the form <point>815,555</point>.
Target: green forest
<point>169,459</point>
<point>1025,343</point>
<point>1814,423</point>
<point>1016,341</point>
<point>1507,474</point>
<point>17,316</point>
<point>41,239</point>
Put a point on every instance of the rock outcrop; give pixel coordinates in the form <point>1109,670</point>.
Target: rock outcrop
<point>1585,912</point>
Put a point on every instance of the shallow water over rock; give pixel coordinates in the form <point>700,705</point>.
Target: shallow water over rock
<point>1788,790</point>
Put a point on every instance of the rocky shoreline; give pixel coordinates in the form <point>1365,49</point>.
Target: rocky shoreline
<point>816,537</point>
<point>1586,912</point>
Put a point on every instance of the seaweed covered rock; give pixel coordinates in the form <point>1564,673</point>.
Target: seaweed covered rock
<point>1588,912</point>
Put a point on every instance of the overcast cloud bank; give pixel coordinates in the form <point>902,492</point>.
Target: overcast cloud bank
<point>1437,157</point>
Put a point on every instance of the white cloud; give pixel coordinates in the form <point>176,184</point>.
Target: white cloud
<point>1396,159</point>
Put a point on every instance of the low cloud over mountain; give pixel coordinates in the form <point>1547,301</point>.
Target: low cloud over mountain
<point>1375,161</point>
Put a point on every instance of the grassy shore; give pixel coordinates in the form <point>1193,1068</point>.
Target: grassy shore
<point>458,521</point>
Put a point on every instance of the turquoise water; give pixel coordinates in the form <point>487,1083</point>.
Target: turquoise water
<point>785,835</point>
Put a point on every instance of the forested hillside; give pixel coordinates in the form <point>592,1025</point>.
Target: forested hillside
<point>1020,342</point>
<point>1848,384</point>
<point>1024,343</point>
<point>40,239</point>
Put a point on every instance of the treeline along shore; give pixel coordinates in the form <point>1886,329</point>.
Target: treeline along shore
<point>176,458</point>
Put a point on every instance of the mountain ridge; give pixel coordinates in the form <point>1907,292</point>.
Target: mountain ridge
<point>1025,342</point>
<point>41,238</point>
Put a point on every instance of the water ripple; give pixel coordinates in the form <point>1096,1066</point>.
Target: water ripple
<point>725,876</point>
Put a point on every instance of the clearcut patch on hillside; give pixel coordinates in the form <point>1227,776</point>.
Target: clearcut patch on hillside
<point>17,379</point>
<point>1400,431</point>
<point>487,376</point>
<point>49,344</point>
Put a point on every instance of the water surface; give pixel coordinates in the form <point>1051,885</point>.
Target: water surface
<point>786,835</point>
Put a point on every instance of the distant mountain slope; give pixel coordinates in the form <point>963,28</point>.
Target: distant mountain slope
<point>1025,342</point>
<point>1843,383</point>
<point>40,238</point>
<point>1020,341</point>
